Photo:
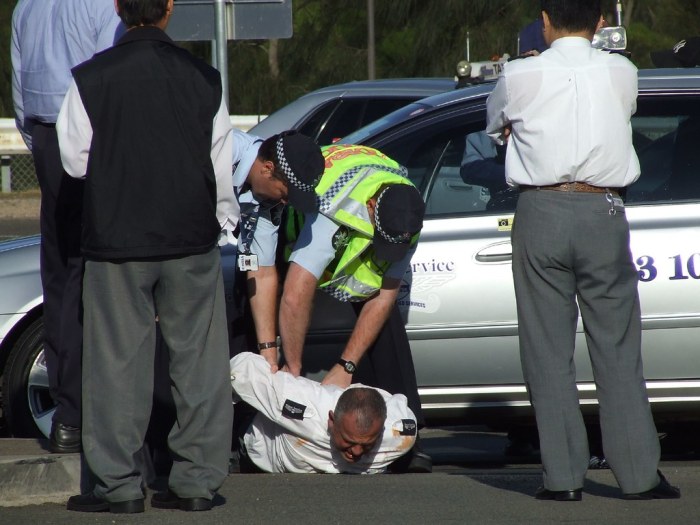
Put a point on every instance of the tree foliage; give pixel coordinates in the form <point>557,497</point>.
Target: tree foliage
<point>413,38</point>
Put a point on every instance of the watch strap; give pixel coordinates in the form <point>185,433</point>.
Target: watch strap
<point>348,366</point>
<point>277,343</point>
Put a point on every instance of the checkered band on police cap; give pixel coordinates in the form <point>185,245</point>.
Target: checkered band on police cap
<point>398,217</point>
<point>286,168</point>
<point>302,163</point>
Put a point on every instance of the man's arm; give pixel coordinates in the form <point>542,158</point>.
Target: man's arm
<point>295,314</point>
<point>497,124</point>
<point>108,26</point>
<point>313,252</point>
<point>372,318</point>
<point>262,291</point>
<point>227,209</point>
<point>291,402</point>
<point>17,98</point>
<point>74,133</point>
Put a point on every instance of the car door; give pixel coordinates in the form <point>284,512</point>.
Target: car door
<point>458,296</point>
<point>663,208</point>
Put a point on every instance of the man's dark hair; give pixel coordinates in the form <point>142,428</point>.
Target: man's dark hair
<point>366,404</point>
<point>573,15</point>
<point>268,151</point>
<point>142,12</point>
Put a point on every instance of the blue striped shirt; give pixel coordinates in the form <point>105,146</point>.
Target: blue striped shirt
<point>49,37</point>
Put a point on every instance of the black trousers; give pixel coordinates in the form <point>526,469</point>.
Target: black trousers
<point>61,273</point>
<point>388,363</point>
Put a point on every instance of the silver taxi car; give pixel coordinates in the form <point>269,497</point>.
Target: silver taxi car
<point>458,297</point>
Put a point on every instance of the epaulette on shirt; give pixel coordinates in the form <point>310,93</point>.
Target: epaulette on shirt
<point>406,427</point>
<point>293,410</point>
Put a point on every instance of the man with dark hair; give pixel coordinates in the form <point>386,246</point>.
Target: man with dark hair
<point>571,244</point>
<point>266,174</point>
<point>146,125</point>
<point>302,426</point>
<point>49,37</point>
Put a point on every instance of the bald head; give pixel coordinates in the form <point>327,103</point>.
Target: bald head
<point>357,422</point>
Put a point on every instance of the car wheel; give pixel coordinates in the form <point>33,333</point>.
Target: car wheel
<point>27,405</point>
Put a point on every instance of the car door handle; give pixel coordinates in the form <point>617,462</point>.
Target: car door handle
<point>497,252</point>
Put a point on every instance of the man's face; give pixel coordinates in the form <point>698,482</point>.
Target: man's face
<point>349,440</point>
<point>263,185</point>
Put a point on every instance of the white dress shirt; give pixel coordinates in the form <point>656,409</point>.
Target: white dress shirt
<point>290,433</point>
<point>75,137</point>
<point>569,110</point>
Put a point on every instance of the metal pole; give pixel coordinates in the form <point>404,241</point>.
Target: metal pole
<point>221,47</point>
<point>618,9</point>
<point>370,40</point>
<point>6,173</point>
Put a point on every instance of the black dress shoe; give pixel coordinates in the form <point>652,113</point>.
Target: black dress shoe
<point>91,503</point>
<point>87,503</point>
<point>558,495</point>
<point>664,490</point>
<point>64,439</point>
<point>170,500</point>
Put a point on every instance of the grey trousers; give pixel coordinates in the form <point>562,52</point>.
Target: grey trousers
<point>567,246</point>
<point>121,301</point>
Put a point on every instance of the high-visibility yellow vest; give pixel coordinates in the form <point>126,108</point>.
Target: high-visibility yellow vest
<point>352,176</point>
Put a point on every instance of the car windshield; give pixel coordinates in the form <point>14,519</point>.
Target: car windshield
<point>400,115</point>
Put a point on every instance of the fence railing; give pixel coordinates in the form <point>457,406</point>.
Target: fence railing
<point>16,165</point>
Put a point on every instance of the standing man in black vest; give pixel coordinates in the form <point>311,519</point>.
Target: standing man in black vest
<point>147,126</point>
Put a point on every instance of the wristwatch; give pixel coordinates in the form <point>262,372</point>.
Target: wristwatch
<point>277,343</point>
<point>348,366</point>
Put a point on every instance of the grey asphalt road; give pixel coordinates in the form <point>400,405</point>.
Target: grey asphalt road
<point>473,482</point>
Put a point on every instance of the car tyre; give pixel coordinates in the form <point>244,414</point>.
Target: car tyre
<point>26,402</point>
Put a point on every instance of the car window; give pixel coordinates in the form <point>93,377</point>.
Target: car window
<point>666,136</point>
<point>353,113</point>
<point>316,123</point>
<point>458,170</point>
<point>382,106</point>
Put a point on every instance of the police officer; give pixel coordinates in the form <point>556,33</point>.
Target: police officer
<point>266,174</point>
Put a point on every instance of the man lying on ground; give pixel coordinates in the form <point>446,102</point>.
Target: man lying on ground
<point>301,426</point>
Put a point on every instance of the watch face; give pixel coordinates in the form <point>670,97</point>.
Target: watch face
<point>349,366</point>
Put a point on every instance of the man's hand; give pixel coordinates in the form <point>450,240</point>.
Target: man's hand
<point>337,376</point>
<point>272,357</point>
<point>295,314</point>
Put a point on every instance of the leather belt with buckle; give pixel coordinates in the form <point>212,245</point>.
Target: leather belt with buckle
<point>580,187</point>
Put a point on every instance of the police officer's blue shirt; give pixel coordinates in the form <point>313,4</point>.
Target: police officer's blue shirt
<point>245,151</point>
